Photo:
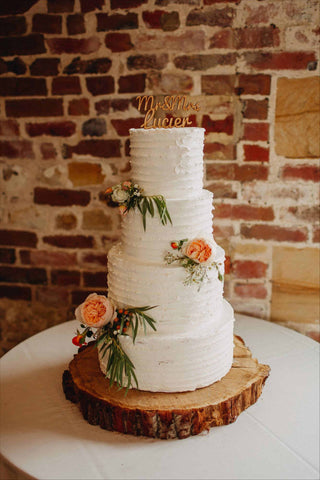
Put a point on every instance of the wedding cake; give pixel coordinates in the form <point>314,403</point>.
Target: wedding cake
<point>173,266</point>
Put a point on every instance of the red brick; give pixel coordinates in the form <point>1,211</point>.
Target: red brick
<point>16,66</point>
<point>223,231</point>
<point>233,171</point>
<point>102,107</point>
<point>44,67</point>
<point>95,148</point>
<point>90,5</point>
<point>214,17</point>
<point>73,45</point>
<point>222,190</point>
<point>132,83</point>
<point>23,275</point>
<point>79,296</point>
<point>101,85</point>
<point>256,37</point>
<point>119,105</point>
<point>222,39</point>
<point>52,296</point>
<point>42,23</point>
<point>255,109</point>
<point>24,45</point>
<point>127,3</point>
<point>75,24</point>
<point>305,213</point>
<point>94,259</point>
<point>79,107</point>
<point>60,197</point>
<point>22,87</point>
<point>254,84</point>
<point>255,153</point>
<point>204,62</point>
<point>250,290</point>
<point>46,257</point>
<point>12,26</point>
<point>60,6</point>
<point>49,107</point>
<point>122,126</point>
<point>243,212</point>
<point>280,60</point>
<point>316,235</point>
<point>9,128</point>
<point>315,335</point>
<point>15,7</point>
<point>256,131</point>
<point>249,269</point>
<point>220,151</point>
<point>65,277</point>
<point>218,126</point>
<point>18,238</point>
<point>274,232</point>
<point>302,172</point>
<point>48,151</point>
<point>227,265</point>
<point>213,2</point>
<point>94,65</point>
<point>167,21</point>
<point>95,279</point>
<point>15,292</point>
<point>117,21</point>
<point>54,129</point>
<point>66,86</point>
<point>218,84</point>
<point>118,42</point>
<point>7,255</point>
<point>69,241</point>
<point>16,149</point>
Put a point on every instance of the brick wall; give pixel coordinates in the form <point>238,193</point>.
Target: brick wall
<point>69,72</point>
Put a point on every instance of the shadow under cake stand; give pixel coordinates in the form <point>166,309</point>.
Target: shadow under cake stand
<point>163,415</point>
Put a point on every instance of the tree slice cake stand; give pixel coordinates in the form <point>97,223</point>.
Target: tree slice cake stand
<point>163,415</point>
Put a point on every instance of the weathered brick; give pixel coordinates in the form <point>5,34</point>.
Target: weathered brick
<point>23,275</point>
<point>255,109</point>
<point>16,149</point>
<point>117,21</point>
<point>48,151</point>
<point>46,257</point>
<point>192,41</point>
<point>253,84</point>
<point>22,87</point>
<point>223,231</point>
<point>60,6</point>
<point>233,171</point>
<point>118,42</point>
<point>101,85</point>
<point>83,173</point>
<point>316,235</point>
<point>132,83</point>
<point>280,60</point>
<point>213,2</point>
<point>249,269</point>
<point>309,214</point>
<point>66,85</point>
<point>24,45</point>
<point>220,151</point>
<point>222,190</point>
<point>73,45</point>
<point>60,197</point>
<point>66,221</point>
<point>49,107</point>
<point>218,84</point>
<point>52,296</point>
<point>222,39</point>
<point>256,37</point>
<point>218,126</point>
<point>127,3</point>
<point>243,212</point>
<point>75,24</point>
<point>94,148</point>
<point>315,335</point>
<point>65,277</point>
<point>122,126</point>
<point>255,153</point>
<point>204,62</point>
<point>102,107</point>
<point>94,127</point>
<point>12,26</point>
<point>119,104</point>
<point>7,255</point>
<point>214,17</point>
<point>251,290</point>
<point>143,62</point>
<point>16,66</point>
<point>95,65</point>
<point>9,128</point>
<point>274,232</point>
<point>54,129</point>
<point>170,83</point>
<point>256,131</point>
<point>13,8</point>
<point>78,106</point>
<point>165,3</point>
<point>69,241</point>
<point>96,219</point>
<point>167,21</point>
<point>79,296</point>
<point>94,259</point>
<point>42,23</point>
<point>302,172</point>
<point>15,292</point>
<point>44,67</point>
<point>90,5</point>
<point>95,279</point>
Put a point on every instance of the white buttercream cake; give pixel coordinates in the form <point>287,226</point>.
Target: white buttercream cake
<point>193,344</point>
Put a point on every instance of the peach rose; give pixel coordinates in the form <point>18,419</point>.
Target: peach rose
<point>96,311</point>
<point>123,210</point>
<point>126,185</point>
<point>199,250</point>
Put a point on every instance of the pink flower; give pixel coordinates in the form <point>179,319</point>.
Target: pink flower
<point>126,185</point>
<point>199,250</point>
<point>96,311</point>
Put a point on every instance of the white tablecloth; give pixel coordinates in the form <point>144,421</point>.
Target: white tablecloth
<point>44,436</point>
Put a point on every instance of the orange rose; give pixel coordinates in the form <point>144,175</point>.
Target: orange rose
<point>96,311</point>
<point>123,210</point>
<point>198,250</point>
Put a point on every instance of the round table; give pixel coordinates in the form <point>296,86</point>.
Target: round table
<point>45,437</point>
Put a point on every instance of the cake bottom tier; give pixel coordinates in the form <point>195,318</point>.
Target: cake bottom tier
<point>182,362</point>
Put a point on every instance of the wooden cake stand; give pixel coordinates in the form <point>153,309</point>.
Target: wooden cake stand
<point>163,415</point>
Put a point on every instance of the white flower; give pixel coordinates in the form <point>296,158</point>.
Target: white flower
<point>119,195</point>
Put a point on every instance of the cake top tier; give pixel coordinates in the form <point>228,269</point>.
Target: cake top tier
<point>168,162</point>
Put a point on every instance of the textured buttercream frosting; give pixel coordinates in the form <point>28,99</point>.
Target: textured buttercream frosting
<point>193,344</point>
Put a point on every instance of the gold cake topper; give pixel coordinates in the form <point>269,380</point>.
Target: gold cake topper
<point>169,104</point>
